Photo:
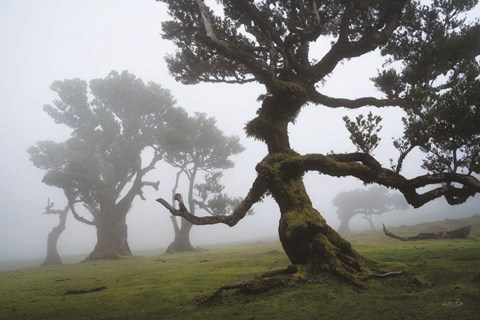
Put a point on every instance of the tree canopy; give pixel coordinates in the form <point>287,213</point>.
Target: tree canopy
<point>112,121</point>
<point>431,71</point>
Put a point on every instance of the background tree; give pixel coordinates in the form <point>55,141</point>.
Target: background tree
<point>433,52</point>
<point>52,253</point>
<point>366,202</point>
<point>198,149</point>
<point>113,120</point>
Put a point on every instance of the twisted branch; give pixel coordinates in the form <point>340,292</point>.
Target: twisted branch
<point>369,170</point>
<point>255,194</point>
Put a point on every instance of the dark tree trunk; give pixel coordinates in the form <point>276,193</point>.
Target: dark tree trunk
<point>52,254</point>
<point>370,222</point>
<point>181,242</point>
<point>344,225</point>
<point>111,236</point>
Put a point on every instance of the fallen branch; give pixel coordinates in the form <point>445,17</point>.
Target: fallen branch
<point>459,233</point>
<point>85,291</point>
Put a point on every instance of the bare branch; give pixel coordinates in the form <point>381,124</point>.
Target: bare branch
<point>71,204</point>
<point>369,170</point>
<point>318,98</point>
<point>254,195</point>
<point>79,217</point>
<point>49,210</point>
<point>370,40</point>
<point>258,68</point>
<point>207,23</point>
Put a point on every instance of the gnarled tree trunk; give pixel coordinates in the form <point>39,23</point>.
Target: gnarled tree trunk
<point>344,225</point>
<point>111,236</point>
<point>311,245</point>
<point>52,253</point>
<point>181,242</point>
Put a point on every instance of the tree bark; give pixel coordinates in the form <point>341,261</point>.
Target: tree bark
<point>312,246</point>
<point>344,225</point>
<point>181,242</point>
<point>111,236</point>
<point>52,254</point>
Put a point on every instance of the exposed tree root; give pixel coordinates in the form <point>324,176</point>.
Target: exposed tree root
<point>254,286</point>
<point>282,279</point>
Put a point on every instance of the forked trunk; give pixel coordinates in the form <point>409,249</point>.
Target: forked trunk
<point>52,254</point>
<point>111,237</point>
<point>181,242</point>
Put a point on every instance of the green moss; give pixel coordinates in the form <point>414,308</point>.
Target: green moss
<point>302,224</point>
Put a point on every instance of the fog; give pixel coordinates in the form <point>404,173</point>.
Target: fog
<point>44,41</point>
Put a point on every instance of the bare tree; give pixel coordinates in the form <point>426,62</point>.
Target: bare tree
<point>52,253</point>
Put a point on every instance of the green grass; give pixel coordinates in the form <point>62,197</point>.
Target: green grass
<point>442,281</point>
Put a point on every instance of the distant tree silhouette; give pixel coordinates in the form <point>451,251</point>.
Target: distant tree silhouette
<point>366,202</point>
<point>100,167</point>
<point>198,149</point>
<point>52,253</point>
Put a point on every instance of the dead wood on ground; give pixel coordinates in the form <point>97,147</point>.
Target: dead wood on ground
<point>459,233</point>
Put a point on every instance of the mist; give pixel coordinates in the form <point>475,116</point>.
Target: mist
<point>57,40</point>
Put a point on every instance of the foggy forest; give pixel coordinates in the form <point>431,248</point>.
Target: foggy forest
<point>205,159</point>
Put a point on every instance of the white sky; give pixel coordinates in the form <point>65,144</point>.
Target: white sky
<point>48,40</point>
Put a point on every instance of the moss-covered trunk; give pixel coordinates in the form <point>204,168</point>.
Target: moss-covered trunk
<point>111,236</point>
<point>312,246</point>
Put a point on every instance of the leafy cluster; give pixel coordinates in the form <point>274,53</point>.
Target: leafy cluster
<point>437,72</point>
<point>364,131</point>
<point>212,199</point>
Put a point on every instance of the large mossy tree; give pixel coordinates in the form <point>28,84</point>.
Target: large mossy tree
<point>113,121</point>
<point>433,55</point>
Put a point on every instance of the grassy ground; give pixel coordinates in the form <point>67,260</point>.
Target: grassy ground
<point>442,281</point>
